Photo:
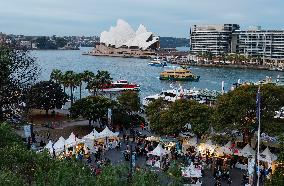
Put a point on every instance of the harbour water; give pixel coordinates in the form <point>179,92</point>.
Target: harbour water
<point>138,71</point>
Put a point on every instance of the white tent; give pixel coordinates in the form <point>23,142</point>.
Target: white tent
<point>71,141</point>
<point>191,172</point>
<point>159,151</point>
<point>59,145</point>
<point>49,147</point>
<point>107,133</point>
<point>267,156</point>
<point>247,151</point>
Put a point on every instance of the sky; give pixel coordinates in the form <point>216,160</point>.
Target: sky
<point>163,17</point>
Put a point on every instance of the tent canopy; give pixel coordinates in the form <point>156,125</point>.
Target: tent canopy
<point>59,145</point>
<point>267,156</point>
<point>71,140</point>
<point>107,133</point>
<point>92,136</point>
<point>49,146</point>
<point>159,151</point>
<point>227,149</point>
<point>247,151</point>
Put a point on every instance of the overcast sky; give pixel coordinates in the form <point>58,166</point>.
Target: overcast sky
<point>163,17</point>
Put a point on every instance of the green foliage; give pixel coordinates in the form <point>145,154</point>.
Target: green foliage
<point>92,108</point>
<point>18,71</point>
<point>113,176</point>
<point>175,173</point>
<point>46,95</point>
<point>130,101</point>
<point>145,178</point>
<point>8,136</point>
<point>236,110</point>
<point>9,178</point>
<point>170,119</point>
<point>97,83</point>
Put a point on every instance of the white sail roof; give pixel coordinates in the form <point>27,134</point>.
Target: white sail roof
<point>124,35</point>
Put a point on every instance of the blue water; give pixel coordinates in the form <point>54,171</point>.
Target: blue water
<point>138,71</point>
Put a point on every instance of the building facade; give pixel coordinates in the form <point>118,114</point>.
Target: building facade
<point>215,39</point>
<point>264,44</point>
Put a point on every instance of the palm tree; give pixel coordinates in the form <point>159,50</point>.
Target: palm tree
<point>88,76</point>
<point>56,75</point>
<point>101,79</point>
<point>79,79</point>
<point>69,80</point>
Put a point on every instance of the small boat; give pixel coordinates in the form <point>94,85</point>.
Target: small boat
<point>121,85</point>
<point>178,75</point>
<point>157,63</point>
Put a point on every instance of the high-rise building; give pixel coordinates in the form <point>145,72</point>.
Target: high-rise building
<point>266,44</point>
<point>212,38</point>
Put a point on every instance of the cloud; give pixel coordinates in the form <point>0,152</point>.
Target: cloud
<point>164,17</point>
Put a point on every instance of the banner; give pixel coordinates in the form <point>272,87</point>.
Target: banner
<point>109,114</point>
<point>251,164</point>
<point>27,131</point>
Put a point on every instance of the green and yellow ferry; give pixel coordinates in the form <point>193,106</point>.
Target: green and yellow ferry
<point>178,75</point>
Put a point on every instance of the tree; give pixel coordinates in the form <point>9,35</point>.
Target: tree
<point>18,72</point>
<point>56,75</point>
<point>93,108</point>
<point>170,119</point>
<point>69,80</point>
<point>46,95</point>
<point>130,101</point>
<point>101,79</point>
<point>236,110</point>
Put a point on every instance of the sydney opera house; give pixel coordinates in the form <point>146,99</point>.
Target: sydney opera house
<point>123,41</point>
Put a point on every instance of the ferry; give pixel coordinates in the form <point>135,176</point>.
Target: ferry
<point>157,63</point>
<point>179,75</point>
<point>120,85</point>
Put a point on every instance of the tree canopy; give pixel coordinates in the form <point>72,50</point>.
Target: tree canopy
<point>92,108</point>
<point>130,101</point>
<point>18,72</point>
<point>236,110</point>
<point>171,118</point>
<point>46,95</point>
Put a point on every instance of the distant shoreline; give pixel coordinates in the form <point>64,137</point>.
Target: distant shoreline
<point>232,66</point>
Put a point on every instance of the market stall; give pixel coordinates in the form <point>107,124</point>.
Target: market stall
<point>192,171</point>
<point>49,147</point>
<point>158,153</point>
<point>90,139</point>
<point>59,146</point>
<point>268,158</point>
<point>188,143</point>
<point>108,138</point>
<point>207,147</point>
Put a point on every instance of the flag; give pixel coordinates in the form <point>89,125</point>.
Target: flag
<point>258,104</point>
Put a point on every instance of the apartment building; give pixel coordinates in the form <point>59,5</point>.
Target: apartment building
<point>212,38</point>
<point>266,44</point>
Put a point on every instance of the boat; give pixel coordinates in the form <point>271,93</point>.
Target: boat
<point>157,63</point>
<point>203,96</point>
<point>120,85</point>
<point>179,74</point>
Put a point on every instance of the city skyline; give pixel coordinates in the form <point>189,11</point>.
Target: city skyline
<point>163,17</point>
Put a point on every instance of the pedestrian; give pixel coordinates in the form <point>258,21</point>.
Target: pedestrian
<point>229,182</point>
<point>48,135</point>
<point>124,136</point>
